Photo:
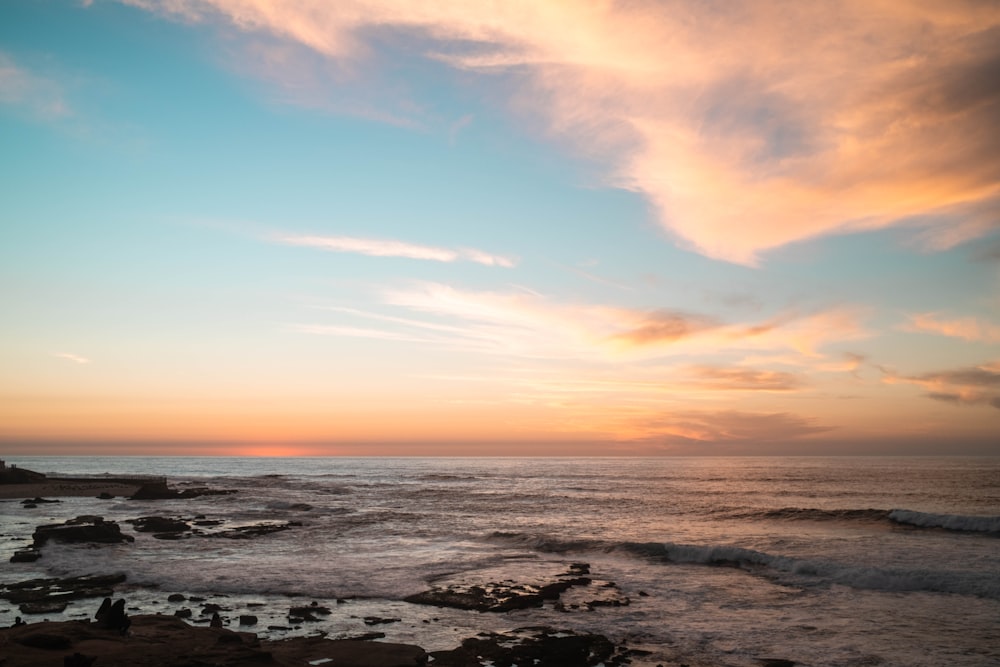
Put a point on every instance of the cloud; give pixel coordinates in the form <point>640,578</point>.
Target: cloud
<point>967,328</point>
<point>527,324</point>
<point>71,357</point>
<point>744,379</point>
<point>725,427</point>
<point>970,385</point>
<point>389,248</point>
<point>748,127</point>
<point>39,95</point>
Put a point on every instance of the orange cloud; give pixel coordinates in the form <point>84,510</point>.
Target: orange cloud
<point>748,126</point>
<point>967,328</point>
<point>526,324</point>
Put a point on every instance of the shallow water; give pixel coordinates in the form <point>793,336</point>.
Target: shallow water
<point>825,561</point>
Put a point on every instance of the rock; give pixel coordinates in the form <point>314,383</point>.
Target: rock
<point>159,524</point>
<point>160,491</point>
<point>377,620</point>
<point>541,647</point>
<point>104,495</point>
<point>28,555</point>
<point>248,619</point>
<point>183,613</point>
<point>776,662</point>
<point>38,501</point>
<point>176,597</point>
<point>81,530</point>
<point>43,607</point>
<point>500,596</point>
<point>69,588</point>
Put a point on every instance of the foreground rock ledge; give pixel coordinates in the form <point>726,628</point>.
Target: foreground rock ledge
<point>165,641</point>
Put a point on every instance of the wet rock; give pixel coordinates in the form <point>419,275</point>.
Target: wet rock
<point>55,589</point>
<point>540,647</point>
<point>176,597</point>
<point>183,613</point>
<point>83,529</point>
<point>248,619</point>
<point>159,524</point>
<point>160,491</point>
<point>776,662</point>
<point>38,501</point>
<point>43,607</point>
<point>104,495</point>
<point>502,596</point>
<point>28,555</point>
<point>378,620</point>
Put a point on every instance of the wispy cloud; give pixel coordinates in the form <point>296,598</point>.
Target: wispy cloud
<point>391,248</point>
<point>970,385</point>
<point>748,127</point>
<point>967,328</point>
<point>21,87</point>
<point>526,324</point>
<point>76,358</point>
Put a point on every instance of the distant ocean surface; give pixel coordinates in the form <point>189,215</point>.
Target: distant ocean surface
<point>725,561</point>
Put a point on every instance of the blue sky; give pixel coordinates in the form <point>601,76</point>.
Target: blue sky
<point>383,228</point>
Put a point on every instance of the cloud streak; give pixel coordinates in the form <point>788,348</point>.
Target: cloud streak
<point>747,127</point>
<point>391,248</point>
<point>75,358</point>
<point>966,328</point>
<point>21,87</point>
<point>970,385</point>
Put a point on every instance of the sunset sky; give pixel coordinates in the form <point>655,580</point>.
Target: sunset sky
<point>523,227</point>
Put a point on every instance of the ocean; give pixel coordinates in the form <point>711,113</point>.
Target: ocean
<point>714,561</point>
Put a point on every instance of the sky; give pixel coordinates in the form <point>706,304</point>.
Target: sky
<point>532,227</point>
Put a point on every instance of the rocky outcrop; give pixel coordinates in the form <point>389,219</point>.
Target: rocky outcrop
<point>539,647</point>
<point>92,529</point>
<point>158,490</point>
<point>61,590</point>
<point>504,596</point>
<point>166,641</point>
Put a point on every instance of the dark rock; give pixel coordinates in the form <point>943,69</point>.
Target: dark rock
<point>159,524</point>
<point>499,596</point>
<point>69,588</point>
<point>540,647</point>
<point>183,613</point>
<point>81,530</point>
<point>175,597</point>
<point>160,491</point>
<point>78,660</point>
<point>104,495</point>
<point>776,662</point>
<point>43,607</point>
<point>378,620</point>
<point>26,556</point>
<point>248,619</point>
<point>30,506</point>
<point>38,501</point>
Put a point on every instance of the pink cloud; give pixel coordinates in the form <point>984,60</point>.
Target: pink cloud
<point>391,248</point>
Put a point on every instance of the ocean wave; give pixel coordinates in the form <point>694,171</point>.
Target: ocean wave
<point>806,572</point>
<point>955,522</point>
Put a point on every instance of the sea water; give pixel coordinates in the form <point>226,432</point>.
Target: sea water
<point>723,561</point>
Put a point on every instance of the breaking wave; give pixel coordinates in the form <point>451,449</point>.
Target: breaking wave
<point>788,570</point>
<point>952,522</point>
